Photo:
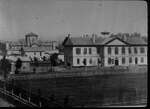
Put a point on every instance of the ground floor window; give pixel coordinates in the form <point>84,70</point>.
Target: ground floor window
<point>130,60</point>
<point>142,59</point>
<point>84,61</point>
<point>112,61</point>
<point>136,60</point>
<point>78,61</point>
<point>123,60</point>
<point>109,60</point>
<point>90,61</point>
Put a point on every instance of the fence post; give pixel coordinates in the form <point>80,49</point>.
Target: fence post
<point>29,99</point>
<point>20,95</point>
<point>40,104</point>
<point>12,91</point>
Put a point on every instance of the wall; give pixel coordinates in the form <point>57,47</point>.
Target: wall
<point>126,55</point>
<point>94,56</point>
<point>68,55</point>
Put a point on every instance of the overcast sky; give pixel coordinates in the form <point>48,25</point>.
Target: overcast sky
<point>51,19</point>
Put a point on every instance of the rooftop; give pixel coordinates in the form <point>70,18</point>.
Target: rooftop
<point>98,40</point>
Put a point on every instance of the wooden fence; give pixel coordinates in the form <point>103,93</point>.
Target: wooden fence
<point>22,98</point>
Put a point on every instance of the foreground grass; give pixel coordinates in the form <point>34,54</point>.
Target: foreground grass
<point>91,90</point>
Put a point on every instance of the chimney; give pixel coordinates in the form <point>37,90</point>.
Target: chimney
<point>93,38</point>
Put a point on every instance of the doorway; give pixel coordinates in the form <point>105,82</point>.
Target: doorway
<point>116,62</point>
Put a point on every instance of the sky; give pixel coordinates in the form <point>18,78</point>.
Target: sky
<point>54,19</point>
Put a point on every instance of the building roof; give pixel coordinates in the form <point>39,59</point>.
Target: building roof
<point>102,41</point>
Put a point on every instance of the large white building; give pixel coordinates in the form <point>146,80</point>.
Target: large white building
<point>31,46</point>
<point>105,51</point>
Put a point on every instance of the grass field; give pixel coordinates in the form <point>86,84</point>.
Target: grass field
<point>93,90</point>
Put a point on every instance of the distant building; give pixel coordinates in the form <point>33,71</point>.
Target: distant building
<point>31,46</point>
<point>28,66</point>
<point>105,51</point>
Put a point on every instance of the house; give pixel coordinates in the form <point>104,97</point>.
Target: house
<point>105,51</point>
<point>28,66</point>
<point>32,46</point>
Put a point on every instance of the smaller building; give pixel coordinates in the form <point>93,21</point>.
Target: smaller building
<point>28,66</point>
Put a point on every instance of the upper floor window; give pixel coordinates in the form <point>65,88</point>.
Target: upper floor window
<point>116,50</point>
<point>109,50</point>
<point>135,50</point>
<point>78,51</point>
<point>142,50</point>
<point>123,50</point>
<point>90,50</point>
<point>129,49</point>
<point>34,53</point>
<point>85,51</point>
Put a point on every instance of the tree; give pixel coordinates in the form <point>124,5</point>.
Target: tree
<point>54,59</point>
<point>18,65</point>
<point>36,64</point>
<point>5,66</point>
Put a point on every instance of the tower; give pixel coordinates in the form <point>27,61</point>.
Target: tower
<point>31,38</point>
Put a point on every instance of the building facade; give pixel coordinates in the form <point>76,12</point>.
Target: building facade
<point>32,46</point>
<point>110,51</point>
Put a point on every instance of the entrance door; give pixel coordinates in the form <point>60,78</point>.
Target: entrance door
<point>116,62</point>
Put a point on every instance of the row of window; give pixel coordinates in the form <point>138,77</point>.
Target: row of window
<point>84,61</point>
<point>112,61</point>
<point>78,51</point>
<point>40,53</point>
<point>142,50</point>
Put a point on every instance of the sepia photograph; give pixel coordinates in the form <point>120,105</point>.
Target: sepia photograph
<point>73,53</point>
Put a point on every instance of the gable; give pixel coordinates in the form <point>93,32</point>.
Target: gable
<point>116,42</point>
<point>67,41</point>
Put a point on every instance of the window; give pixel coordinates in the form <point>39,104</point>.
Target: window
<point>78,61</point>
<point>116,50</point>
<point>90,61</point>
<point>85,51</point>
<point>135,50</point>
<point>34,53</point>
<point>123,50</point>
<point>142,59</point>
<point>112,60</point>
<point>40,53</point>
<point>123,60</point>
<point>84,61</point>
<point>109,50</point>
<point>136,60</point>
<point>90,50</point>
<point>129,50</point>
<point>109,60</point>
<point>78,51</point>
<point>142,50</point>
<point>130,60</point>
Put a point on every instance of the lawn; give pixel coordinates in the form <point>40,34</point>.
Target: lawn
<point>93,90</point>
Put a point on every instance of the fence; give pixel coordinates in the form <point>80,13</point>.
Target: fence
<point>22,98</point>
